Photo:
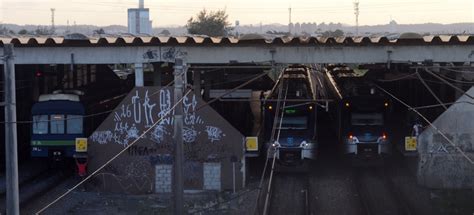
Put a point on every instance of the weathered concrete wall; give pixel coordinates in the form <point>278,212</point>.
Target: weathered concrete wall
<point>146,166</point>
<point>440,164</point>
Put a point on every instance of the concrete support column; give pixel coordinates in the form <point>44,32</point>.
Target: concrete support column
<point>89,77</point>
<point>197,82</point>
<point>459,85</point>
<point>207,86</point>
<point>139,82</point>
<point>157,73</point>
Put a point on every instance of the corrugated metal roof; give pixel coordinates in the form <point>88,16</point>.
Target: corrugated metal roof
<point>197,40</point>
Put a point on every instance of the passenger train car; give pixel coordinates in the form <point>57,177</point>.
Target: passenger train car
<point>290,117</point>
<point>57,122</point>
<point>362,115</point>
<point>364,133</point>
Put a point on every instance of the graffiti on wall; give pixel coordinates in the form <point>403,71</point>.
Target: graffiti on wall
<point>441,146</point>
<point>206,138</point>
<point>153,111</point>
<point>166,54</point>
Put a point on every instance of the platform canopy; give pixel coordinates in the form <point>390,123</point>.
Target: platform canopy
<point>207,50</point>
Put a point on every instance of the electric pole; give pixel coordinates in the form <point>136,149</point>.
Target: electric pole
<point>11,157</point>
<point>52,21</point>
<point>356,12</point>
<point>178,138</point>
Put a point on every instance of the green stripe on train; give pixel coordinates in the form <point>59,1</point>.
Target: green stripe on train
<point>53,142</point>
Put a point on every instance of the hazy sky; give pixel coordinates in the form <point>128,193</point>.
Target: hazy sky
<point>177,12</point>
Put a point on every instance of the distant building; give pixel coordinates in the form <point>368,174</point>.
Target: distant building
<point>139,20</point>
<point>393,26</point>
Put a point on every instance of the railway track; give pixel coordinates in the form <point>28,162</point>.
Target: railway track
<point>36,184</point>
<point>290,194</point>
<point>378,194</point>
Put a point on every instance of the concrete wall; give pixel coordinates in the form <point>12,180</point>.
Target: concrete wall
<point>440,164</point>
<point>146,167</point>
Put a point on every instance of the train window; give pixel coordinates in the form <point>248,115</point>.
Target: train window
<point>57,124</point>
<point>367,119</point>
<point>40,124</point>
<point>74,124</point>
<point>299,122</point>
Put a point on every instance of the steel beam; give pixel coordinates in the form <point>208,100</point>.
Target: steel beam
<point>281,54</point>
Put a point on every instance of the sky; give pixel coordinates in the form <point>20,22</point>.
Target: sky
<point>177,12</point>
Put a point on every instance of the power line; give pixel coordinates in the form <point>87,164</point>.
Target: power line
<point>431,91</point>
<point>456,81</point>
<point>398,78</point>
<point>438,105</point>
<point>427,121</point>
<point>448,83</point>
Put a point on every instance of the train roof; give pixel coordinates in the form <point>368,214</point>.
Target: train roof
<point>59,96</point>
<point>58,107</point>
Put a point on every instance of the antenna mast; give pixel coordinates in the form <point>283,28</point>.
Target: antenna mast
<point>52,20</point>
<point>356,12</point>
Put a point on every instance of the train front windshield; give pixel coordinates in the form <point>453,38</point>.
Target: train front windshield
<point>57,124</point>
<point>367,119</point>
<point>298,122</point>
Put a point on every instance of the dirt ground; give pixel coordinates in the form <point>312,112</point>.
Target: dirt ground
<point>330,184</point>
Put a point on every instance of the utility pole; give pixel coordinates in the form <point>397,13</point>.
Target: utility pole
<point>178,138</point>
<point>11,157</point>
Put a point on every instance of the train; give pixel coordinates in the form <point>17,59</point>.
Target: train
<point>289,120</point>
<point>362,115</point>
<point>57,122</point>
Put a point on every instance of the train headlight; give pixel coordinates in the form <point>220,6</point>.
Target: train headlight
<point>304,144</point>
<point>382,138</point>
<point>270,107</point>
<point>276,144</point>
<point>352,139</point>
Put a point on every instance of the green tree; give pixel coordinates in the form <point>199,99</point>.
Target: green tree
<point>336,33</point>
<point>99,31</point>
<point>23,32</point>
<point>165,32</point>
<point>213,23</point>
<point>42,31</point>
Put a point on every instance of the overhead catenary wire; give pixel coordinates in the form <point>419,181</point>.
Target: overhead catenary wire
<point>267,197</point>
<point>262,177</point>
<point>77,117</point>
<point>448,83</point>
<point>459,71</point>
<point>431,124</point>
<point>438,105</point>
<point>431,91</point>
<point>398,78</point>
<point>457,81</point>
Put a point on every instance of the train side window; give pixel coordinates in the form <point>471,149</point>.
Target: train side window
<point>74,124</point>
<point>40,124</point>
<point>57,124</point>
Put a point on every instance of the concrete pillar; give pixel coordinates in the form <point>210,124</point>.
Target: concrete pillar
<point>459,85</point>
<point>88,75</point>
<point>207,85</point>
<point>441,164</point>
<point>157,73</point>
<point>139,82</point>
<point>197,82</point>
